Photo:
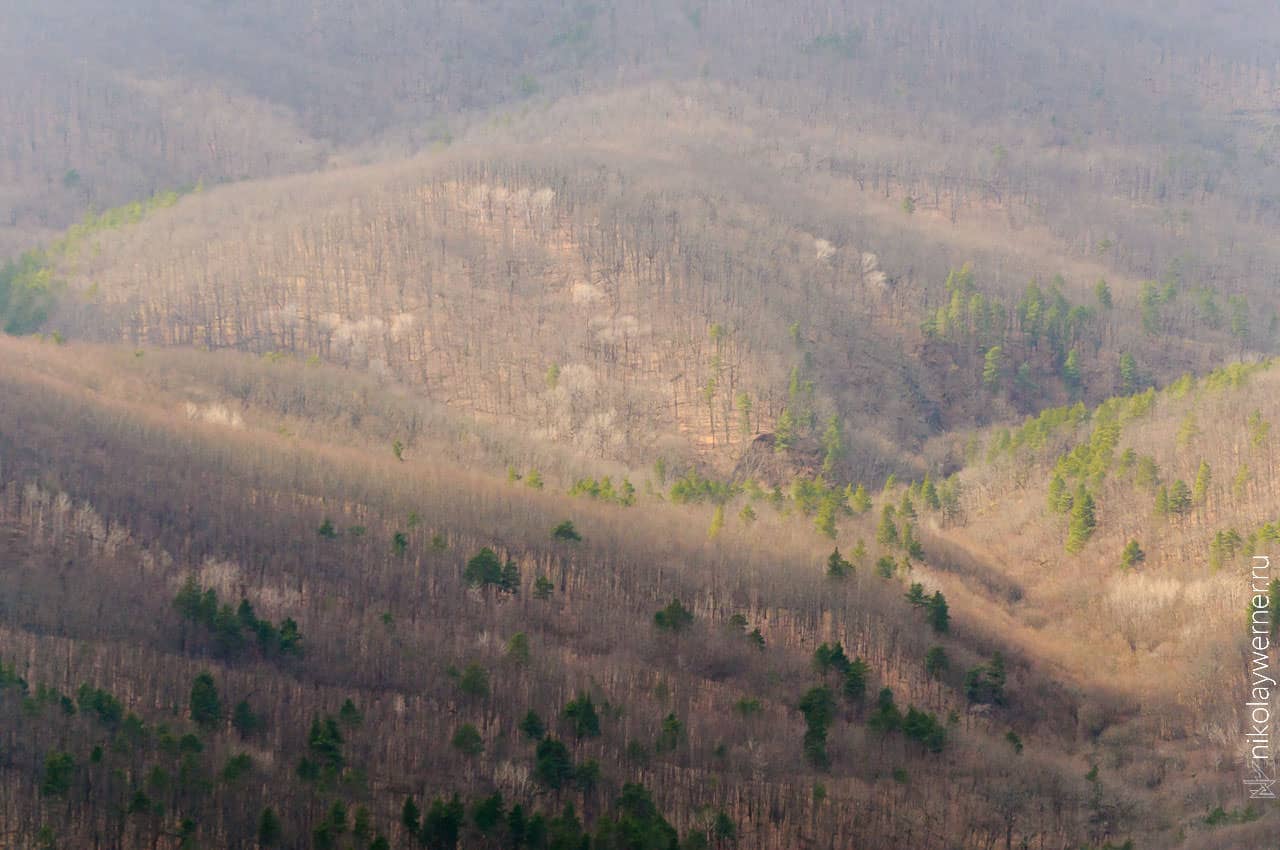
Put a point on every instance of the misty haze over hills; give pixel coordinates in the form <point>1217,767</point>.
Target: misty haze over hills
<point>667,425</point>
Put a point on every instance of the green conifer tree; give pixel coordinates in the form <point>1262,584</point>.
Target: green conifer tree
<point>1083,521</point>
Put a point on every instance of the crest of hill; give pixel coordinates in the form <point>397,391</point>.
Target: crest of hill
<point>636,306</point>
<point>606,310</point>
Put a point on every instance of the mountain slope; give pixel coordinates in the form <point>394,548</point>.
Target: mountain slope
<point>115,494</point>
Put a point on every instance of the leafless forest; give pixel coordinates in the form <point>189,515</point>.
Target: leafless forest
<point>635,426</point>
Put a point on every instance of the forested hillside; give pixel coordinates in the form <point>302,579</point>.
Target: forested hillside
<point>643,426</point>
<point>632,310</point>
<point>464,617</point>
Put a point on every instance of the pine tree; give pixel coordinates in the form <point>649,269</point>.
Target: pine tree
<point>1059,498</point>
<point>1128,373</point>
<point>1259,428</point>
<point>829,657</point>
<point>467,740</point>
<point>833,444</point>
<point>532,726</point>
<point>674,618</point>
<point>859,552</point>
<point>1103,293</point>
<point>488,812</point>
<point>409,816</point>
<point>907,508</point>
<point>913,547</point>
<point>985,683</point>
<point>1204,477</point>
<point>517,649</point>
<point>543,587</point>
<point>517,826</point>
<point>887,532</point>
<point>818,707</point>
<point>484,569</point>
<point>939,615</point>
<point>243,720</point>
<point>929,494</point>
<point>949,494</point>
<point>580,714</point>
<point>510,581</point>
<point>671,734</point>
<point>886,717</point>
<point>924,728</point>
<point>1071,372</point>
<point>855,680</point>
<point>1083,522</point>
<point>837,566</point>
<point>269,828</point>
<point>1241,482</point>
<point>860,501</point>
<point>1217,554</point>
<point>362,827</point>
<point>552,766</point>
<point>59,771</point>
<point>1146,473</point>
<point>717,523</point>
<point>1132,555</point>
<point>992,368</point>
<point>564,531</point>
<point>206,707</point>
<point>784,433</point>
<point>1224,546</point>
<point>1179,498</point>
<point>474,681</point>
<point>1162,501</point>
<point>443,823</point>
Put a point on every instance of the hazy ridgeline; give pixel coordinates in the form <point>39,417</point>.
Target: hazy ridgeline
<point>675,425</point>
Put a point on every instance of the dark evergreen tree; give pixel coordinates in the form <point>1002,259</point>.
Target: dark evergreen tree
<point>886,718</point>
<point>552,766</point>
<point>837,566</point>
<point>939,614</point>
<point>566,531</point>
<point>855,680</point>
<point>830,657</point>
<point>580,714</point>
<point>205,705</point>
<point>270,830</point>
<point>674,618</point>
<point>1083,521</point>
<point>488,812</point>
<point>410,815</point>
<point>532,726</point>
<point>442,825</point>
